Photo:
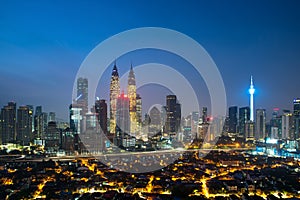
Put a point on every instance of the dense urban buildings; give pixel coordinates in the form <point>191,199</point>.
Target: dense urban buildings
<point>245,149</point>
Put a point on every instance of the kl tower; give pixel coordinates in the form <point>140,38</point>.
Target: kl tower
<point>251,92</point>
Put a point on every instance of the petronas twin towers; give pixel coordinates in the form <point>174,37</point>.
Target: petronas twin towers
<point>131,95</point>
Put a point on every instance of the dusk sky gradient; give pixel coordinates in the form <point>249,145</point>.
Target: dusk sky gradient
<point>43,43</point>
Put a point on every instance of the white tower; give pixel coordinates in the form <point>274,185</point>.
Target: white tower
<point>251,92</point>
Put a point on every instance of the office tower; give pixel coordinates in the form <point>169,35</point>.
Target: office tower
<point>260,125</point>
<point>31,109</point>
<point>173,111</point>
<point>131,90</point>
<point>52,117</point>
<point>101,110</point>
<point>287,125</point>
<point>82,94</point>
<point>194,122</point>
<point>52,138</point>
<point>296,118</point>
<point>24,123</point>
<point>76,118</point>
<point>251,92</point>
<point>249,130</point>
<point>276,125</point>
<point>122,118</point>
<point>232,119</point>
<point>296,105</point>
<point>204,114</point>
<point>91,123</point>
<point>40,123</point>
<point>244,117</point>
<point>114,94</point>
<point>138,113</point>
<point>8,123</point>
<point>155,121</point>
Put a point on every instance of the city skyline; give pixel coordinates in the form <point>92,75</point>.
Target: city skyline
<point>40,65</point>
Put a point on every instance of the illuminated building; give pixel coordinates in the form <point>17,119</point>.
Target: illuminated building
<point>52,117</point>
<point>138,113</point>
<point>173,114</point>
<point>251,92</point>
<point>232,120</point>
<point>244,117</point>
<point>131,90</point>
<point>52,138</point>
<point>122,119</point>
<point>260,125</point>
<point>114,94</point>
<point>296,118</point>
<point>155,121</point>
<point>76,118</point>
<point>276,124</point>
<point>82,94</point>
<point>101,110</point>
<point>24,123</point>
<point>287,125</point>
<point>8,123</point>
<point>194,122</point>
<point>296,105</point>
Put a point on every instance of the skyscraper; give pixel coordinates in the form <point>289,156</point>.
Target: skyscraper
<point>296,118</point>
<point>260,125</point>
<point>24,123</point>
<point>244,117</point>
<point>155,121</point>
<point>8,123</point>
<point>131,90</point>
<point>114,94</point>
<point>101,110</point>
<point>173,119</point>
<point>251,92</point>
<point>296,105</point>
<point>82,94</point>
<point>138,113</point>
<point>232,120</point>
<point>122,118</point>
<point>52,117</point>
<point>287,124</point>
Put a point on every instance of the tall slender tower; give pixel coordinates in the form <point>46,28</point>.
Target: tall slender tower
<point>251,92</point>
<point>131,90</point>
<point>114,94</point>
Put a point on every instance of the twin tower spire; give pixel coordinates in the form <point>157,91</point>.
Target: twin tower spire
<point>115,93</point>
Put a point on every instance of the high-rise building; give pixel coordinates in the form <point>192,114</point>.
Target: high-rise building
<point>296,105</point>
<point>114,94</point>
<point>31,109</point>
<point>131,90</point>
<point>173,109</point>
<point>155,121</point>
<point>122,118</point>
<point>8,123</point>
<point>194,122</point>
<point>297,118</point>
<point>276,125</point>
<point>232,119</point>
<point>24,123</point>
<point>52,117</point>
<point>101,110</point>
<point>260,125</point>
<point>287,125</point>
<point>244,117</point>
<point>52,138</point>
<point>138,113</point>
<point>204,114</point>
<point>76,118</point>
<point>251,92</point>
<point>40,123</point>
<point>82,94</point>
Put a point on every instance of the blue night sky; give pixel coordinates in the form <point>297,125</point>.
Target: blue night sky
<point>43,43</point>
